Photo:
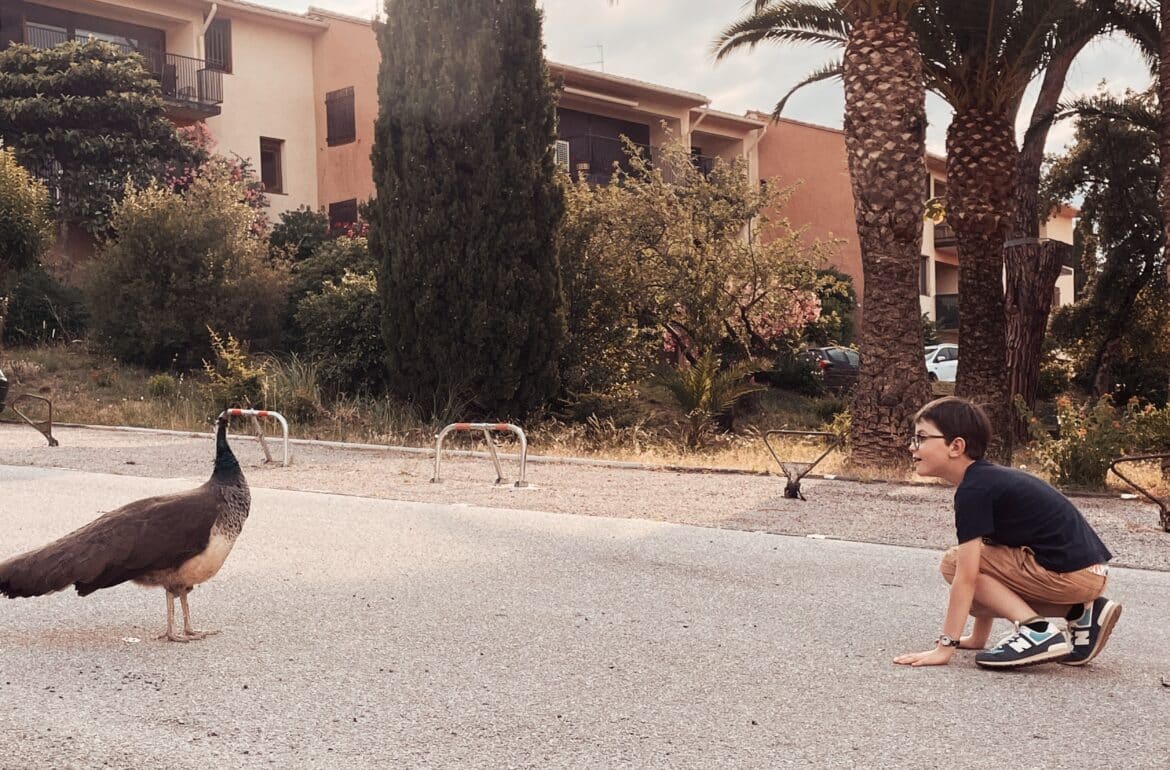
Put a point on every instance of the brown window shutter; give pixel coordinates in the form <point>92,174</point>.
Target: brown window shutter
<point>339,117</point>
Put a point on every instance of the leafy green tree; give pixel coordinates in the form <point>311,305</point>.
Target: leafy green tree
<point>87,118</point>
<point>1117,330</point>
<point>25,228</point>
<point>184,261</point>
<point>467,205</point>
<point>659,256</point>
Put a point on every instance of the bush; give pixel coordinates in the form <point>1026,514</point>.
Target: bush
<point>25,227</point>
<point>233,379</point>
<point>794,372</point>
<point>329,263</point>
<point>1091,436</point>
<point>42,309</point>
<point>299,233</point>
<point>342,330</point>
<point>704,392</point>
<point>1055,377</point>
<point>183,262</point>
<point>162,386</point>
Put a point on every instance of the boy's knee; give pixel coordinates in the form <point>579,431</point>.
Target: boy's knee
<point>949,563</point>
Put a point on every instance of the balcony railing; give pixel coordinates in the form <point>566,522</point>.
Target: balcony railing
<point>595,156</point>
<point>946,311</point>
<point>944,236</point>
<point>184,80</point>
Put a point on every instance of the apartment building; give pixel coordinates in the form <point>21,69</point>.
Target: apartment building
<point>813,157</point>
<point>280,89</point>
<point>597,109</point>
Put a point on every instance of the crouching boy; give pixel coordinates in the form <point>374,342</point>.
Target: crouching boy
<point>1025,553</point>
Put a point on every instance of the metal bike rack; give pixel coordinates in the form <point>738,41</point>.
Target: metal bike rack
<point>254,413</point>
<point>44,427</point>
<point>1164,512</point>
<point>487,428</point>
<point>795,470</point>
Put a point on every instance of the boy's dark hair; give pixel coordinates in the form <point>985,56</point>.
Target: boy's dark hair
<point>959,418</point>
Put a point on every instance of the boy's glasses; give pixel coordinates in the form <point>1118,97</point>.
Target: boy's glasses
<point>917,439</point>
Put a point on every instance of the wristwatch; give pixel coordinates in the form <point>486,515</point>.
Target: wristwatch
<point>947,641</point>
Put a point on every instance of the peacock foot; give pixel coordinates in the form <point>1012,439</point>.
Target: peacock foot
<point>170,636</point>
<point>193,634</point>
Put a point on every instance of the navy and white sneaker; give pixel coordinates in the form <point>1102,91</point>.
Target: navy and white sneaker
<point>1090,629</point>
<point>1035,641</point>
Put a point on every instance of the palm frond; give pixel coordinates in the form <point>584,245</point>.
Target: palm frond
<point>826,72</point>
<point>785,22</point>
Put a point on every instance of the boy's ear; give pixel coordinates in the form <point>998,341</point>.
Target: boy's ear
<point>957,447</point>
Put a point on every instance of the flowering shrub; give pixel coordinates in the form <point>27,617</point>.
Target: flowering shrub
<point>235,171</point>
<point>1091,436</point>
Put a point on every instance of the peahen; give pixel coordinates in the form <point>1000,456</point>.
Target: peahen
<point>174,541</point>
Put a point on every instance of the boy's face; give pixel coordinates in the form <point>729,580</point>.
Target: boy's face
<point>934,456</point>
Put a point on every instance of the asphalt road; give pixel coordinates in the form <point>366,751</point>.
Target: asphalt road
<point>371,633</point>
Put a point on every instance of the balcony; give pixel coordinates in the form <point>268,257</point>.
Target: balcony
<point>944,236</point>
<point>191,91</point>
<point>946,312</point>
<point>595,156</point>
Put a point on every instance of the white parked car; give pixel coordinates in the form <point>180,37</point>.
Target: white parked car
<point>942,362</point>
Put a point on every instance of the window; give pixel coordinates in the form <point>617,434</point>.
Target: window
<point>339,121</point>
<point>923,269</point>
<point>342,214</point>
<point>217,45</point>
<point>271,174</point>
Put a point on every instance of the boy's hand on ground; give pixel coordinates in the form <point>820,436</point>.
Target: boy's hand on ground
<point>939,656</point>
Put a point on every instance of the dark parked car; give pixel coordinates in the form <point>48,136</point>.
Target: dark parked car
<point>835,366</point>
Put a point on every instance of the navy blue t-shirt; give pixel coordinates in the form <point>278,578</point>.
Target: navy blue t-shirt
<point>1009,507</point>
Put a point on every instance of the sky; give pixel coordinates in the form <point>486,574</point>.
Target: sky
<point>668,43</point>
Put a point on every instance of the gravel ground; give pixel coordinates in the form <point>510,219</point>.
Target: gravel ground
<point>897,514</point>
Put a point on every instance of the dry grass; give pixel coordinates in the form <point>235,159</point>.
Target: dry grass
<point>92,389</point>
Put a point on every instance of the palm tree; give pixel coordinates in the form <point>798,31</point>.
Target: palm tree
<point>885,141</point>
<point>979,56</point>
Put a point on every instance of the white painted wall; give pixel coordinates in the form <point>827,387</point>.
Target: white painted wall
<point>270,93</point>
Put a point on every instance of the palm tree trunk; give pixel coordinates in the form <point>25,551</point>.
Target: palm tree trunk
<point>885,133</point>
<point>1164,121</point>
<point>981,173</point>
<point>1032,267</point>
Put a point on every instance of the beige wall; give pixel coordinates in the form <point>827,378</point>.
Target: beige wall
<point>346,55</point>
<point>270,94</point>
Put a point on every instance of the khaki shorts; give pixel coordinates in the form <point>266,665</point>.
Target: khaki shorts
<point>1049,593</point>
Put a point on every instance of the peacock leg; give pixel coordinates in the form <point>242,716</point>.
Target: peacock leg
<point>170,634</point>
<point>190,632</point>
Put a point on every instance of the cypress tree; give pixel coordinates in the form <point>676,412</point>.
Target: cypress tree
<point>467,206</point>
